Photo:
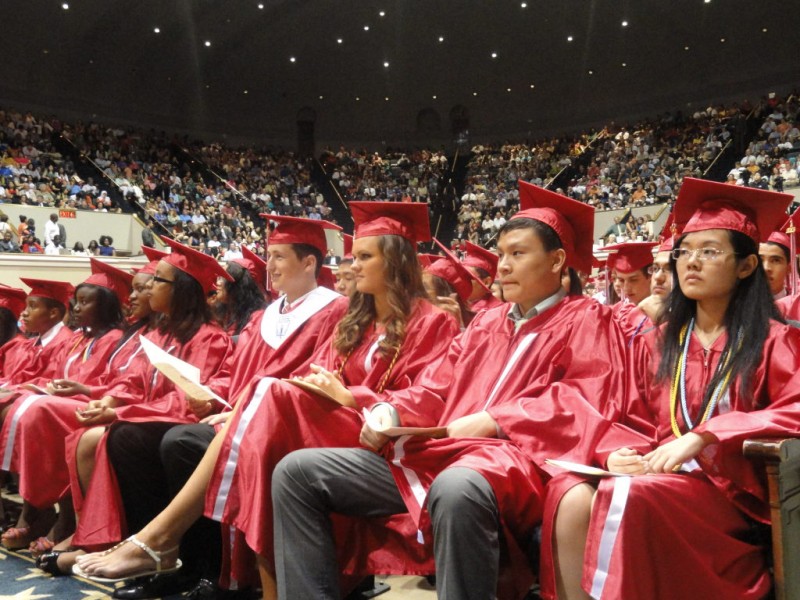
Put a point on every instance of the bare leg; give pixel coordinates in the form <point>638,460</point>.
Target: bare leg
<point>164,532</point>
<point>85,455</point>
<point>571,530</point>
<point>266,571</point>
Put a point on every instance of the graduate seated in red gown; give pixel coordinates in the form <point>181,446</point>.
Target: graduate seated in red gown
<point>178,292</point>
<point>521,384</point>
<point>276,342</point>
<point>43,324</point>
<point>483,264</point>
<point>98,313</point>
<point>389,334</point>
<point>723,367</point>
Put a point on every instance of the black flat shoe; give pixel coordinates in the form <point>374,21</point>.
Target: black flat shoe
<point>155,586</point>
<point>48,562</point>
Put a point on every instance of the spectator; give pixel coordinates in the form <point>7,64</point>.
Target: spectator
<point>148,238</point>
<point>79,250</point>
<point>106,246</point>
<point>51,229</point>
<point>32,245</point>
<point>7,244</point>
<point>93,249</point>
<point>53,246</point>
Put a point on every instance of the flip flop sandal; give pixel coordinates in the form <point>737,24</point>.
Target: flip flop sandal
<point>16,538</point>
<point>155,555</point>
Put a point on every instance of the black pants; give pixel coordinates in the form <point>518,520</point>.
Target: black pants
<point>152,462</point>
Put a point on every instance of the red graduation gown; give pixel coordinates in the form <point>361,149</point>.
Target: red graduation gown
<point>553,387</point>
<point>149,396</point>
<point>281,418</point>
<point>41,466</point>
<point>29,361</point>
<point>485,303</point>
<point>697,520</point>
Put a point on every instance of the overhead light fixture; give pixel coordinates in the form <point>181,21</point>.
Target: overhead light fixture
<point>569,38</point>
<point>524,5</point>
<point>508,89</point>
<point>292,59</point>
<point>387,98</point>
<point>260,7</point>
<point>339,40</point>
<point>494,54</point>
<point>245,91</point>
<point>157,30</point>
<point>624,64</point>
<point>382,13</point>
<point>366,27</point>
<point>357,98</point>
<point>386,64</point>
<point>65,6</point>
<point>441,38</point>
<point>686,47</point>
<point>208,43</point>
<point>764,30</point>
<point>722,40</point>
<point>591,72</point>
<point>434,96</point>
<point>624,23</point>
<point>322,97</point>
<point>474,93</point>
<point>532,86</point>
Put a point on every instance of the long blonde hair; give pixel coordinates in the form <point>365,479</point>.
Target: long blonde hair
<point>403,287</point>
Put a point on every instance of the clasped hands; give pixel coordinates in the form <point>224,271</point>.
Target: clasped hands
<point>667,458</point>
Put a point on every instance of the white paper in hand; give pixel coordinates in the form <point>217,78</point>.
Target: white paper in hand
<point>179,372</point>
<point>582,469</point>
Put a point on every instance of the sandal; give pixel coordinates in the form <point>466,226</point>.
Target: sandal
<point>40,546</point>
<point>155,555</point>
<point>48,562</point>
<point>16,538</point>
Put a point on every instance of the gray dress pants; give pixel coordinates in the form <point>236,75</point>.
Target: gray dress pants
<point>309,484</point>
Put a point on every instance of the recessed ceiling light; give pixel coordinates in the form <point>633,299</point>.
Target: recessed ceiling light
<point>292,59</point>
<point>494,54</point>
<point>245,91</point>
<point>524,5</point>
<point>722,40</point>
<point>386,64</point>
<point>508,89</point>
<point>208,43</point>
<point>624,64</point>
<point>441,38</point>
<point>387,98</point>
<point>434,96</point>
<point>532,86</point>
<point>157,30</point>
<point>569,38</point>
<point>45,51</point>
<point>207,86</point>
<point>260,7</point>
<point>686,47</point>
<point>65,6</point>
<point>357,98</point>
<point>624,23</point>
<point>382,13</point>
<point>366,27</point>
<point>339,40</point>
<point>707,1</point>
<point>591,72</point>
<point>322,97</point>
<point>474,93</point>
<point>764,30</point>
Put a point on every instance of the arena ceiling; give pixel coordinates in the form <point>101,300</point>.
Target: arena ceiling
<point>364,70</point>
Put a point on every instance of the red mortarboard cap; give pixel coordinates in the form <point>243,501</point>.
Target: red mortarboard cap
<point>202,267</point>
<point>111,278</point>
<point>60,291</point>
<point>669,233</point>
<point>597,263</point>
<point>704,205</point>
<point>295,230</point>
<point>347,241</point>
<point>630,256</point>
<point>327,278</point>
<point>572,221</point>
<point>13,299</point>
<point>426,260</point>
<point>255,265</point>
<point>482,258</point>
<point>154,256</point>
<point>455,273</point>
<point>408,220</point>
<point>782,236</point>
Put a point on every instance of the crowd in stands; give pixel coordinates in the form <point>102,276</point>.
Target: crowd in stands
<point>210,195</point>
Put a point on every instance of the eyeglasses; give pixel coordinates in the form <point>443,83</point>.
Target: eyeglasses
<point>158,279</point>
<point>656,269</point>
<point>704,254</point>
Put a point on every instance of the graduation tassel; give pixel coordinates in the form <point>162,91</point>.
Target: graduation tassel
<point>793,255</point>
